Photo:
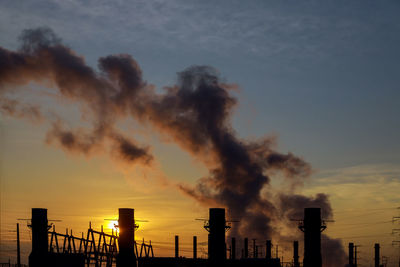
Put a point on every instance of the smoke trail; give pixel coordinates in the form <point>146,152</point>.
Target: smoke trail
<point>43,59</point>
<point>195,113</point>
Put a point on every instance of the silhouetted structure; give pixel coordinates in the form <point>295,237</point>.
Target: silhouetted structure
<point>351,254</point>
<point>39,227</point>
<point>176,246</point>
<point>246,248</point>
<point>216,238</point>
<point>268,248</point>
<point>312,226</point>
<point>40,255</point>
<point>194,247</point>
<point>233,248</point>
<point>126,241</point>
<point>377,255</point>
<point>102,249</point>
<point>296,254</point>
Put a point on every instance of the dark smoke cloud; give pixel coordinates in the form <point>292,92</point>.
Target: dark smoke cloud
<point>195,114</point>
<point>13,108</point>
<point>42,58</point>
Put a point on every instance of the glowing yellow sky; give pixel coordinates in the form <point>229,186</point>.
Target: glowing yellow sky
<point>77,190</point>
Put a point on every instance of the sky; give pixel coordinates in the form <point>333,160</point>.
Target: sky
<point>321,77</point>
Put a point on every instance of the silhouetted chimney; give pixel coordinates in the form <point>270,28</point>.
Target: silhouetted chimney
<point>176,246</point>
<point>268,248</point>
<point>246,248</point>
<point>233,248</point>
<point>216,236</point>
<point>39,231</point>
<point>39,225</point>
<point>351,254</point>
<point>194,247</point>
<point>126,240</point>
<point>377,256</point>
<point>312,227</point>
<point>296,254</point>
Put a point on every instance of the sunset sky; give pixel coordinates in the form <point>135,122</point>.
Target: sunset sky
<point>320,77</point>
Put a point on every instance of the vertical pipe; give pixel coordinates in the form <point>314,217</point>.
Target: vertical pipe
<point>268,247</point>
<point>18,248</point>
<point>233,248</point>
<point>296,254</point>
<point>351,254</point>
<point>194,247</point>
<point>377,256</point>
<point>355,256</point>
<point>176,246</point>
<point>254,249</point>
<point>246,248</point>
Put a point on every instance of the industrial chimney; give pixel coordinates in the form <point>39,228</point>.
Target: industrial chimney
<point>312,226</point>
<point>39,225</point>
<point>268,248</point>
<point>351,254</point>
<point>377,255</point>
<point>296,254</point>
<point>126,240</point>
<point>216,238</point>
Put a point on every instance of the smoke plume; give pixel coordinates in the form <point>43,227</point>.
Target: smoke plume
<point>195,113</point>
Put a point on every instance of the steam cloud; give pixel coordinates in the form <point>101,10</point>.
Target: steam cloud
<point>195,113</point>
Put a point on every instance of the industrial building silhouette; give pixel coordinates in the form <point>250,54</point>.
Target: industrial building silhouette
<point>121,250</point>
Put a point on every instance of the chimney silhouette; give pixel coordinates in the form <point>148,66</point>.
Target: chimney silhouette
<point>351,254</point>
<point>296,254</point>
<point>216,237</point>
<point>312,226</point>
<point>233,248</point>
<point>126,240</point>
<point>268,248</point>
<point>39,226</point>
<point>377,255</point>
<point>194,247</point>
<point>246,248</point>
<point>176,246</point>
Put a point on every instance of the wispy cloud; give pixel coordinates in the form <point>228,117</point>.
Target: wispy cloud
<point>255,28</point>
<point>373,186</point>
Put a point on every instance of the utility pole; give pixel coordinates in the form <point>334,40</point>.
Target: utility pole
<point>394,231</point>
<point>18,248</point>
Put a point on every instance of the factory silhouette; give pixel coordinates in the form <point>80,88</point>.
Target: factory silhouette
<point>97,248</point>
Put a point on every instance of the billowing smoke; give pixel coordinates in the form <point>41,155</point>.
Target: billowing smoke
<point>195,113</point>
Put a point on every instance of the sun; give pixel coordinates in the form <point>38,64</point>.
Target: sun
<point>111,225</point>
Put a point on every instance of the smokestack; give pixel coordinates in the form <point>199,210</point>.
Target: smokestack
<point>176,246</point>
<point>377,256</point>
<point>233,248</point>
<point>296,254</point>
<point>351,254</point>
<point>39,225</point>
<point>246,248</point>
<point>312,228</point>
<point>126,240</point>
<point>268,248</point>
<point>39,231</point>
<point>194,247</point>
<point>216,236</point>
